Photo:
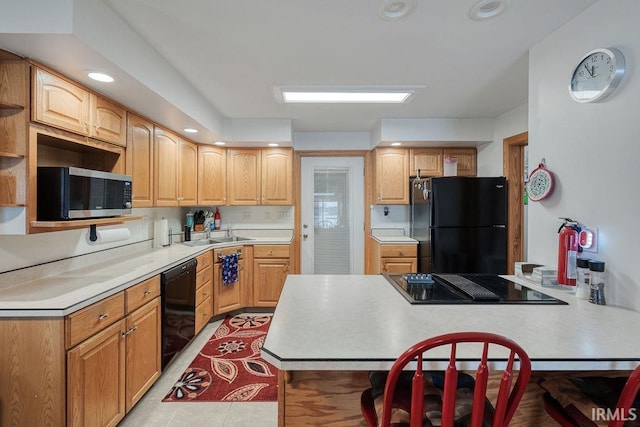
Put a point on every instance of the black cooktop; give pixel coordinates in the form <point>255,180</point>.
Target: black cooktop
<point>465,289</point>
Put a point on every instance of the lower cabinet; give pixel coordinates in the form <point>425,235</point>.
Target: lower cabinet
<point>228,297</point>
<point>204,290</point>
<point>394,258</point>
<point>271,264</point>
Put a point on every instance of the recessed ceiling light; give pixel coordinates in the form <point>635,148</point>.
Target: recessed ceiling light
<point>190,130</point>
<point>273,144</point>
<point>486,9</point>
<point>101,77</point>
<point>346,94</point>
<point>396,144</point>
<point>220,143</point>
<point>391,10</point>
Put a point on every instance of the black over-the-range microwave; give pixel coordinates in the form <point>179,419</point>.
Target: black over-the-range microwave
<point>74,193</point>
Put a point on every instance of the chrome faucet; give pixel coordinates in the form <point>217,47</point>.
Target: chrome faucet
<point>228,233</point>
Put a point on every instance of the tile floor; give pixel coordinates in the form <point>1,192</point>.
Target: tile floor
<point>152,412</point>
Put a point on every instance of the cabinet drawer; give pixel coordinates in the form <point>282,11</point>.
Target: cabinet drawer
<point>204,260</point>
<point>203,277</point>
<point>203,314</point>
<point>271,251</point>
<point>202,293</point>
<point>398,250</point>
<point>90,320</point>
<point>140,294</point>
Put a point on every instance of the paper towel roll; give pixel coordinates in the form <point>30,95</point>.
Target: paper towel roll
<point>160,233</point>
<point>113,235</point>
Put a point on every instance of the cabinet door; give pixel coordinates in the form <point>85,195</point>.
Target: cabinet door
<point>268,280</point>
<point>466,160</point>
<point>108,121</point>
<point>212,175</point>
<point>399,265</point>
<point>243,169</point>
<point>227,298</point>
<point>139,158</point>
<point>60,103</point>
<point>391,181</point>
<point>187,173</point>
<point>165,168</point>
<point>143,351</point>
<point>277,177</point>
<point>428,160</point>
<point>96,379</point>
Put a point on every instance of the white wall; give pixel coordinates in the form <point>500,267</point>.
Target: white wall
<point>508,124</point>
<point>593,149</point>
<point>24,251</point>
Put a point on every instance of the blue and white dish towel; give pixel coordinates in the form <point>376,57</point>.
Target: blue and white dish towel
<point>230,269</point>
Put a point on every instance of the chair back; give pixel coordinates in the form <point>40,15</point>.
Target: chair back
<point>508,396</point>
<point>626,399</point>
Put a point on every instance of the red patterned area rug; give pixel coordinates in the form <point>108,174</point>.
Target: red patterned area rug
<point>229,367</point>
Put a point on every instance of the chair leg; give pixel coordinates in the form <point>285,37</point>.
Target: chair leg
<point>368,409</point>
<point>555,411</point>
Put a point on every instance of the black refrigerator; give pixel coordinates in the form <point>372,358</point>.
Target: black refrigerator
<point>460,224</point>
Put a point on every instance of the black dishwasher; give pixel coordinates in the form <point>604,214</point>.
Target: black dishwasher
<point>178,309</point>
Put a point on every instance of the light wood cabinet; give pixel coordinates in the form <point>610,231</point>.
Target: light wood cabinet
<point>212,175</point>
<point>394,258</point>
<point>61,103</point>
<point>271,265</point>
<point>428,160</point>
<point>110,370</point>
<point>391,180</point>
<point>260,177</point>
<point>187,173</point>
<point>466,160</point>
<point>165,168</point>
<point>244,175</point>
<point>204,290</point>
<point>227,298</point>
<point>139,160</point>
<point>277,177</point>
<point>108,121</point>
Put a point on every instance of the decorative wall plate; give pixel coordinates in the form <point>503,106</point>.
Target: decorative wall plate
<point>540,183</point>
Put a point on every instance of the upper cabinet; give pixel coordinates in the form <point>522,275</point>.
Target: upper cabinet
<point>260,177</point>
<point>139,160</point>
<point>187,173</point>
<point>391,179</point>
<point>165,168</point>
<point>212,175</point>
<point>427,160</point>
<point>61,103</point>
<point>277,176</point>
<point>466,160</point>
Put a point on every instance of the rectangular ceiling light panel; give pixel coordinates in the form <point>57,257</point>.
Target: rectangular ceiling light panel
<point>344,95</point>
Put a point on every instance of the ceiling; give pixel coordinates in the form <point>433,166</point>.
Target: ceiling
<point>233,53</point>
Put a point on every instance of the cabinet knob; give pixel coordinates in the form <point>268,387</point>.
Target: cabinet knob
<point>147,293</point>
<point>103,316</point>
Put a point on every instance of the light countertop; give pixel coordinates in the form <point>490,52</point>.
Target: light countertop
<point>51,295</point>
<point>333,322</point>
<point>391,236</point>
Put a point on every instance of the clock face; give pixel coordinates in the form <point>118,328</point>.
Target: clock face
<point>597,75</point>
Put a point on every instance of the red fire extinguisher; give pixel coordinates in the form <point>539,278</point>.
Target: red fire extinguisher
<point>568,252</point>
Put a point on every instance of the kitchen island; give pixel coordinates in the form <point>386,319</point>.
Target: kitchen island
<point>328,332</point>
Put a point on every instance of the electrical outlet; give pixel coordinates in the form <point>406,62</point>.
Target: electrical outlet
<point>267,215</point>
<point>246,216</point>
<point>284,215</point>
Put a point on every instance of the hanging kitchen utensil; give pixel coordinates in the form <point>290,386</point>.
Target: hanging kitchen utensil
<point>540,184</point>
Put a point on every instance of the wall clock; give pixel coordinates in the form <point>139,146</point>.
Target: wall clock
<point>597,74</point>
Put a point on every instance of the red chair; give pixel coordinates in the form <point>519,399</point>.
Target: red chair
<point>618,415</point>
<point>507,399</point>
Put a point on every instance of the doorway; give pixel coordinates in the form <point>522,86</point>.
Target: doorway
<point>515,169</point>
<point>332,215</point>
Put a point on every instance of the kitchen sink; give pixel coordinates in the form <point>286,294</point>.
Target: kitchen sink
<point>229,239</point>
<point>213,241</point>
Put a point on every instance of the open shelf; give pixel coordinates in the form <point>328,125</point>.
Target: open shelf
<point>80,223</point>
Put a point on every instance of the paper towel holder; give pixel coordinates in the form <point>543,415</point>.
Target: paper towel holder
<point>93,234</point>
